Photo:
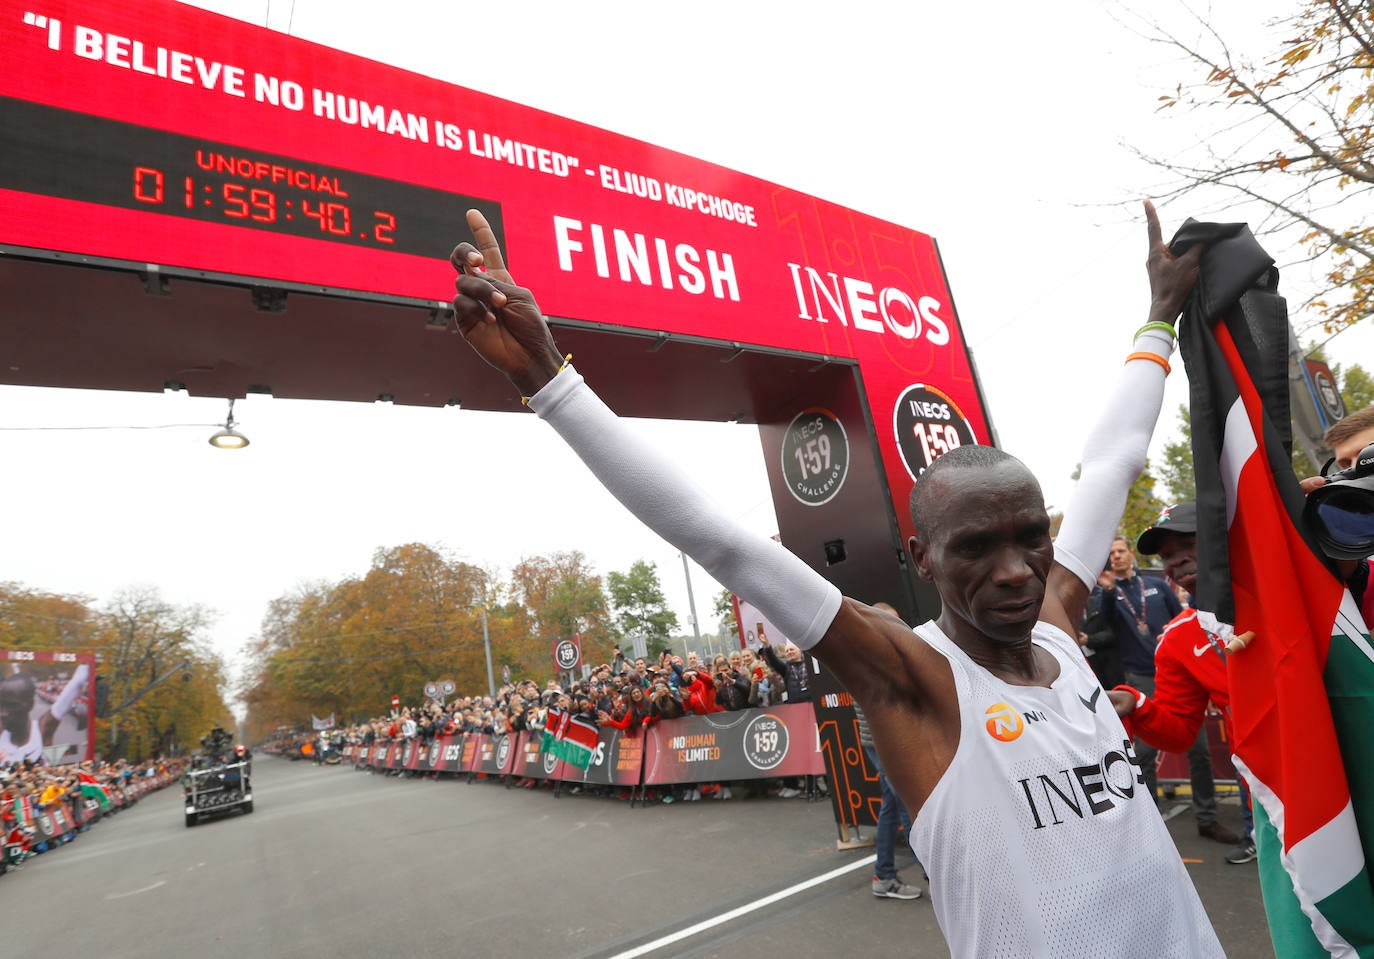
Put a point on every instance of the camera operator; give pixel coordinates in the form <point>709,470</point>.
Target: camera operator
<point>1343,513</point>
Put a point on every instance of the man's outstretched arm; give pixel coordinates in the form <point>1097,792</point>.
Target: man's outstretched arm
<point>1114,452</point>
<point>502,322</point>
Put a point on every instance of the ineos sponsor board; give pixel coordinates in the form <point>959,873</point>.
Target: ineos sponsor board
<point>717,746</point>
<point>209,144</point>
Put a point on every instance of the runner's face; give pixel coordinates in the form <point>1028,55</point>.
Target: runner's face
<point>1178,553</point>
<point>15,705</point>
<point>989,553</point>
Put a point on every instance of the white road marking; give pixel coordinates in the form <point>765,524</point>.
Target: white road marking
<point>725,917</point>
<point>126,895</point>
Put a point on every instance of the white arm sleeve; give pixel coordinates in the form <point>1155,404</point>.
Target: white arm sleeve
<point>1113,456</point>
<point>787,591</point>
<point>74,688</point>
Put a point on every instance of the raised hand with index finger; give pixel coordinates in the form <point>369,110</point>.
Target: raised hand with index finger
<point>1171,277</point>
<point>499,319</point>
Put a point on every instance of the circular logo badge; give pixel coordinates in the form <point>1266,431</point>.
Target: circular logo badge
<point>435,748</point>
<point>1329,395</point>
<point>502,752</point>
<point>550,761</point>
<point>927,424</point>
<point>815,457</point>
<point>565,654</point>
<point>431,690</point>
<point>765,741</point>
<point>447,687</point>
<point>1004,723</point>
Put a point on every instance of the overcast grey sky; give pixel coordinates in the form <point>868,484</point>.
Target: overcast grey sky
<point>998,128</point>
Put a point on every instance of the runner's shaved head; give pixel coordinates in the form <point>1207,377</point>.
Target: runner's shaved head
<point>940,478</point>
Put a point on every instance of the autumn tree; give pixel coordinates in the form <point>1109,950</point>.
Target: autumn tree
<point>348,647</point>
<point>640,606</point>
<point>36,620</point>
<point>562,595</point>
<point>1293,131</point>
<point>157,661</point>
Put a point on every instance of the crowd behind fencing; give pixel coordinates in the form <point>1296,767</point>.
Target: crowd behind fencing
<point>44,807</point>
<point>624,694</point>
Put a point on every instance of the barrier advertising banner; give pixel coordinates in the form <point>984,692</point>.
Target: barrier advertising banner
<point>749,744</point>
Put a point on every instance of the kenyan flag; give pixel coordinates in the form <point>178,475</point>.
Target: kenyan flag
<point>1302,693</point>
<point>554,725</point>
<point>92,789</point>
<point>578,743</point>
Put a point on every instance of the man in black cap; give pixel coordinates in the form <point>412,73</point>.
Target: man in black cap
<point>1190,671</point>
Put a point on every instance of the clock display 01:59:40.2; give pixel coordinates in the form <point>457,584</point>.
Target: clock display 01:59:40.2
<point>303,214</point>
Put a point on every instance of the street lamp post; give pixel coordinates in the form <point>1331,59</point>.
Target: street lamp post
<point>691,601</point>
<point>486,646</point>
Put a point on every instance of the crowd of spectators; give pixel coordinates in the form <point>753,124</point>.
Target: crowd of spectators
<point>624,694</point>
<point>84,792</point>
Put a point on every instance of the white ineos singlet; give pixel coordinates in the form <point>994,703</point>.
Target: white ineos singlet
<point>1039,838</point>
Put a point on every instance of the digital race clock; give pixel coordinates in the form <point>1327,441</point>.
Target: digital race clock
<point>61,153</point>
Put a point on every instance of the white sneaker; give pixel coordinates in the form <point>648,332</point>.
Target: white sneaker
<point>725,793</point>
<point>692,795</point>
<point>789,793</point>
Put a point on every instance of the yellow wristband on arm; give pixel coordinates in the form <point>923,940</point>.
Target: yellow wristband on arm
<point>567,360</point>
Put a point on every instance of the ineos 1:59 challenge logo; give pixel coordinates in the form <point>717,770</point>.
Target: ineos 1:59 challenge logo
<point>502,752</point>
<point>765,741</point>
<point>927,424</point>
<point>815,456</point>
<point>565,654</point>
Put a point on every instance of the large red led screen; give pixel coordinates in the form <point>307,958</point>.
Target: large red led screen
<point>155,133</point>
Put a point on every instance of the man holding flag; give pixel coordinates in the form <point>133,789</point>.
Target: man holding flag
<point>91,788</point>
<point>1301,669</point>
<point>1015,877</point>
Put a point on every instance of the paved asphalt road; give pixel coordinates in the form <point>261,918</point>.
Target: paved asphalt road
<point>336,863</point>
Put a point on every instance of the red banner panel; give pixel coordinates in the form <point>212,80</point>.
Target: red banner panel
<point>749,744</point>
<point>151,132</point>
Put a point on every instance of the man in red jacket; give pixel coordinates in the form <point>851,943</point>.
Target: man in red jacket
<point>1190,664</point>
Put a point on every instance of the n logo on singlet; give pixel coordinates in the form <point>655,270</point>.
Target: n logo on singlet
<point>1004,724</point>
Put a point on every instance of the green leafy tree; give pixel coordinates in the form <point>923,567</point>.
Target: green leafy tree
<point>640,607</point>
<point>1357,388</point>
<point>723,609</point>
<point>1176,476</point>
<point>1143,507</point>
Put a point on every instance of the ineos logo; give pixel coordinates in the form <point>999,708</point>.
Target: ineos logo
<point>502,752</point>
<point>1004,724</point>
<point>565,654</point>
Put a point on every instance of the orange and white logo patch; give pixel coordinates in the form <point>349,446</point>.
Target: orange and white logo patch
<point>1004,723</point>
